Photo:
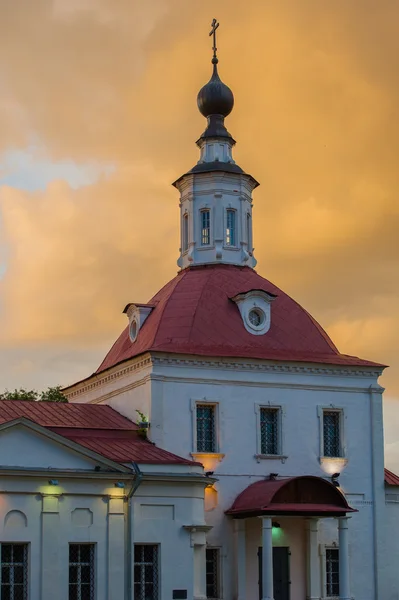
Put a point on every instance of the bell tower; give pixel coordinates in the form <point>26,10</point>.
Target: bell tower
<point>216,195</point>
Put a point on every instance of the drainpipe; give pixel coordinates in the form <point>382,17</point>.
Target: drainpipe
<point>137,480</point>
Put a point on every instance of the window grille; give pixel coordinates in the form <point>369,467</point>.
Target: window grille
<point>212,573</point>
<point>331,433</point>
<point>81,571</point>
<point>146,584</point>
<point>205,227</point>
<point>269,430</point>
<point>332,572</point>
<point>231,228</point>
<point>14,571</point>
<point>185,233</point>
<point>205,428</point>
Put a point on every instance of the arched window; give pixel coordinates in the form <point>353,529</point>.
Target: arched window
<point>185,233</point>
<point>249,232</point>
<point>205,227</point>
<point>230,227</point>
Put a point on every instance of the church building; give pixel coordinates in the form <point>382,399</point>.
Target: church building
<point>224,448</point>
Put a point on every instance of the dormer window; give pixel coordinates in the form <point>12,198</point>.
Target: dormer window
<point>205,227</point>
<point>255,310</point>
<point>137,314</point>
<point>230,227</point>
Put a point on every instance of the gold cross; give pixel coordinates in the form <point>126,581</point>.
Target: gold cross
<point>214,25</point>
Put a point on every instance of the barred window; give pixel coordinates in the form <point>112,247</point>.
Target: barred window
<point>212,573</point>
<point>146,584</point>
<point>231,228</point>
<point>185,233</point>
<point>332,573</point>
<point>206,428</point>
<point>14,571</point>
<point>331,433</point>
<point>81,571</point>
<point>205,227</point>
<point>269,430</point>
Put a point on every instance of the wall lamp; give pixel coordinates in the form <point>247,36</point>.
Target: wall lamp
<point>53,481</point>
<point>276,525</point>
<point>334,479</point>
<point>120,484</point>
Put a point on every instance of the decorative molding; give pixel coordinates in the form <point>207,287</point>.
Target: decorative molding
<point>280,457</point>
<point>149,360</point>
<point>102,378</point>
<point>197,456</point>
<point>269,368</point>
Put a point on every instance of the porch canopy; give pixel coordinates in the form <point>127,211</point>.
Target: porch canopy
<point>292,496</point>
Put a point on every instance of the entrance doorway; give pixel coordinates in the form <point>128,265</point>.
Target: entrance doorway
<point>281,573</point>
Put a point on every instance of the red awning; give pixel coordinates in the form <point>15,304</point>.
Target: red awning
<point>306,495</point>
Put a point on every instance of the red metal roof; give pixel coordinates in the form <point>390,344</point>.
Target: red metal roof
<point>54,414</point>
<point>305,494</point>
<point>194,314</point>
<point>390,478</point>
<point>97,427</point>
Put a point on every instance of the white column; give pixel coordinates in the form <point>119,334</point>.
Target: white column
<point>51,569</point>
<point>267,559</point>
<point>344,582</point>
<point>312,560</point>
<point>116,548</point>
<point>240,566</point>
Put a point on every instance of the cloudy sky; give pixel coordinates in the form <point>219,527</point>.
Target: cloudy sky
<point>98,116</point>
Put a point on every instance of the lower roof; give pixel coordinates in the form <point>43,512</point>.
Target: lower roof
<point>97,427</point>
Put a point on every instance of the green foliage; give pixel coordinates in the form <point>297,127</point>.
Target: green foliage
<point>52,394</point>
<point>143,418</point>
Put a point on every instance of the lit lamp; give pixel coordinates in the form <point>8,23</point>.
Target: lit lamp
<point>53,481</point>
<point>334,479</point>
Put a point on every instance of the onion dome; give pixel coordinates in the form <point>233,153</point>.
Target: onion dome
<point>215,98</point>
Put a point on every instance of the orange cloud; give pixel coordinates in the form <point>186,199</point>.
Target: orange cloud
<point>317,97</point>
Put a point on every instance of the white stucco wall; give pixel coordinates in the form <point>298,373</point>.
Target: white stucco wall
<point>173,386</point>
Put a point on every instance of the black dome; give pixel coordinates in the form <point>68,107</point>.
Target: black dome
<point>215,98</point>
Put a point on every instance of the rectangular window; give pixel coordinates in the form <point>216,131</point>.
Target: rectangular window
<point>212,573</point>
<point>231,228</point>
<point>332,433</point>
<point>81,572</point>
<point>269,430</point>
<point>146,583</point>
<point>185,233</point>
<point>206,428</point>
<point>205,227</point>
<point>249,237</point>
<point>332,573</point>
<point>14,571</point>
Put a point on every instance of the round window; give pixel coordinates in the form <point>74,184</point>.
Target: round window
<point>256,317</point>
<point>133,330</point>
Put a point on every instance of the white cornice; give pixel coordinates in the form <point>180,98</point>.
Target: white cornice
<point>150,361</point>
<point>100,379</point>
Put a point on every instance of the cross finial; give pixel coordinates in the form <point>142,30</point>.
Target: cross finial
<point>215,25</point>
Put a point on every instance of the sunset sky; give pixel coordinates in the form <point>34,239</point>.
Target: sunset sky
<point>98,116</point>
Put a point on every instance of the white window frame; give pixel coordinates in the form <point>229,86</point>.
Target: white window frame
<point>281,432</point>
<point>235,232</point>
<point>93,546</point>
<point>26,590</point>
<point>185,232</point>
<point>217,412</point>
<point>323,556</point>
<point>158,566</point>
<point>219,573</point>
<point>201,212</point>
<point>320,413</point>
